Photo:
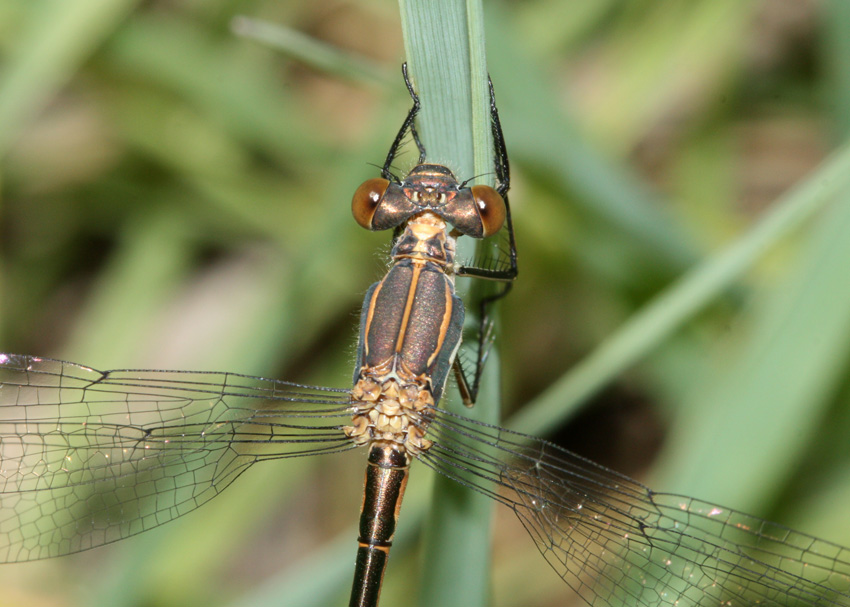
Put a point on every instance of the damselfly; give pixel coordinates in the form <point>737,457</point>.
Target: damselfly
<point>91,457</point>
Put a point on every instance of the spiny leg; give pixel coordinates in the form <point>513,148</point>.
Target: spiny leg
<point>469,390</point>
<point>408,124</point>
<point>503,178</point>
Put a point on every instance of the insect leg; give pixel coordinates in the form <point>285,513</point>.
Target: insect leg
<point>408,124</point>
<point>505,275</point>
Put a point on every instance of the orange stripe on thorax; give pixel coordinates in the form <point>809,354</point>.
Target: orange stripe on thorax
<point>408,305</point>
<point>444,326</point>
<point>369,317</point>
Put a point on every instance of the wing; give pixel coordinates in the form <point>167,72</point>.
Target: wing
<point>90,457</point>
<point>615,542</point>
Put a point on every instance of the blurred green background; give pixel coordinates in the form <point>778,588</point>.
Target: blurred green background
<point>176,196</point>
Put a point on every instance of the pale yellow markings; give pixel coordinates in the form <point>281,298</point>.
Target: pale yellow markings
<point>408,305</point>
<point>401,491</point>
<point>444,326</point>
<point>369,318</point>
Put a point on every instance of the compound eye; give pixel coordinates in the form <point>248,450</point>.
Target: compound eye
<point>491,208</point>
<point>366,200</point>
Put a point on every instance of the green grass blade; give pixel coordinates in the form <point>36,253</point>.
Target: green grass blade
<point>767,406</point>
<point>445,48</point>
<point>312,52</point>
<point>648,327</point>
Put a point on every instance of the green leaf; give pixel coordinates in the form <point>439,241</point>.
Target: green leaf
<point>444,41</point>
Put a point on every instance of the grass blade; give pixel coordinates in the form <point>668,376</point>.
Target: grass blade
<point>445,49</point>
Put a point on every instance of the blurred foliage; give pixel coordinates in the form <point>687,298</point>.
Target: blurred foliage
<point>176,196</point>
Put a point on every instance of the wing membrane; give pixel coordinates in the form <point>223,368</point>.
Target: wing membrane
<point>615,542</point>
<point>90,457</point>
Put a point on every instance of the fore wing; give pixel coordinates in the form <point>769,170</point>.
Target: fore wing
<point>90,457</point>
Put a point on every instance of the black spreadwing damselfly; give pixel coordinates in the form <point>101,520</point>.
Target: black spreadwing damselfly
<point>91,457</point>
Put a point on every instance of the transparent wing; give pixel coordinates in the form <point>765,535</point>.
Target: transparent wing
<point>615,542</point>
<point>90,457</point>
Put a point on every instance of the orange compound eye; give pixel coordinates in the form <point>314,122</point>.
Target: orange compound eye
<point>491,208</point>
<point>366,200</point>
